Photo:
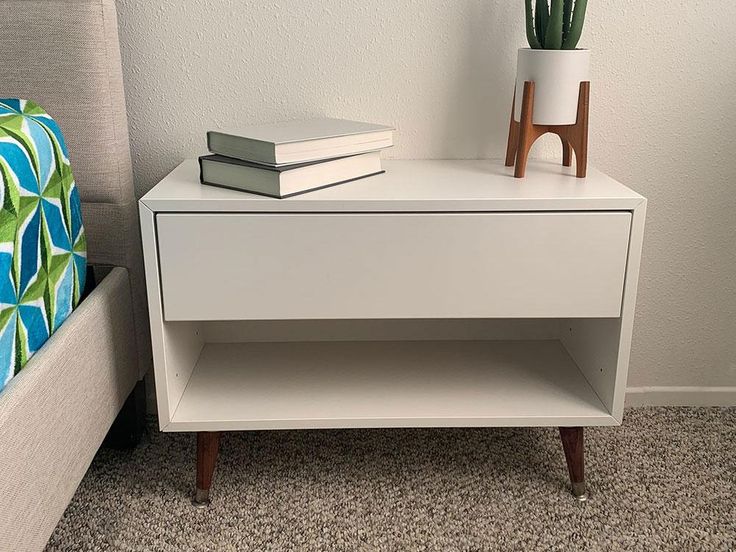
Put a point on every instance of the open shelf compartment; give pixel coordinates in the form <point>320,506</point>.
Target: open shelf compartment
<point>341,384</point>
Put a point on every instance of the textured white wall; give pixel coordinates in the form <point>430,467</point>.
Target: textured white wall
<point>663,118</point>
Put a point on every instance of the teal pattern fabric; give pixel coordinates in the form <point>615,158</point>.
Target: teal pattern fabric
<point>43,251</point>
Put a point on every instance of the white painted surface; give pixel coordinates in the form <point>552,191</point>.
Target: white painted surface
<point>424,186</point>
<point>228,266</point>
<point>594,346</point>
<point>557,75</point>
<point>681,396</point>
<point>427,264</point>
<point>602,347</point>
<point>386,384</point>
<point>631,287</point>
<point>663,118</point>
<point>155,313</point>
<point>176,347</point>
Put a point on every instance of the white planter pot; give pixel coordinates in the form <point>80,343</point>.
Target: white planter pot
<point>557,75</point>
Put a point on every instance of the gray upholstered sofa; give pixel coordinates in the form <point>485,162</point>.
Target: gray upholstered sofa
<point>64,54</point>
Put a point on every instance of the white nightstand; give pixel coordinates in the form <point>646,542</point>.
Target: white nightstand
<point>440,294</point>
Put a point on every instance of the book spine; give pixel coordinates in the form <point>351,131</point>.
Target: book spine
<point>201,176</point>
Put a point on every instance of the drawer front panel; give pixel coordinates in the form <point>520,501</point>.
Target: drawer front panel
<point>490,265</point>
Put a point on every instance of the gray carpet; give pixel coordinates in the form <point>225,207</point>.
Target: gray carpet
<point>665,480</point>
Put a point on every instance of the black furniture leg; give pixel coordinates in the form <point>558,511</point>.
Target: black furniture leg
<point>130,425</point>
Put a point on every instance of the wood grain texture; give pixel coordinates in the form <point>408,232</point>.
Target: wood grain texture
<point>523,134</point>
<point>208,445</point>
<point>572,443</point>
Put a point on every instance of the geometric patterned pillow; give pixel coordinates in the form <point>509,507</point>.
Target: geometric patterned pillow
<point>43,251</point>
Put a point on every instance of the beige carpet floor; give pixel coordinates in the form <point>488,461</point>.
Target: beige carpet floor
<point>665,480</point>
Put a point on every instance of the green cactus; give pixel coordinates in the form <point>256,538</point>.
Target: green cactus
<point>541,18</point>
<point>566,18</point>
<point>557,26</point>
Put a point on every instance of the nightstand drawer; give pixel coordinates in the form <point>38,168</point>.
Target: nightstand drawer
<point>399,265</point>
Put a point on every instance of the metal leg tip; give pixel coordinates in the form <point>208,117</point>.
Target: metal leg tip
<point>579,491</point>
<point>201,498</point>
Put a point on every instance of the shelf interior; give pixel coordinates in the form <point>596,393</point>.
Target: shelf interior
<point>291,385</point>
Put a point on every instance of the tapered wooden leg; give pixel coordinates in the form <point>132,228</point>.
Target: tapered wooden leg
<point>208,445</point>
<point>513,141</point>
<point>526,130</point>
<point>581,126</point>
<point>572,443</point>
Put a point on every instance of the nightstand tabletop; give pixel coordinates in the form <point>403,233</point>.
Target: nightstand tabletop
<point>411,186</point>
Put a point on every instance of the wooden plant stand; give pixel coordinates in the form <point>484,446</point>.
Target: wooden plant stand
<point>524,133</point>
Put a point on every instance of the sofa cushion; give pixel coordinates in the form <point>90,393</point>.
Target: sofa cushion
<point>42,245</point>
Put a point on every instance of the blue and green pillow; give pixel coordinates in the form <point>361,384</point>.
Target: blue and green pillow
<point>43,251</point>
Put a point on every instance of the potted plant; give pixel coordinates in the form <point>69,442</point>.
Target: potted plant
<point>553,61</point>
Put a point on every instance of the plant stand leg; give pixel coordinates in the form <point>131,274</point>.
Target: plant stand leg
<point>574,138</point>
<point>566,152</point>
<point>512,145</point>
<point>572,443</point>
<point>581,130</point>
<point>527,134</point>
<point>208,445</point>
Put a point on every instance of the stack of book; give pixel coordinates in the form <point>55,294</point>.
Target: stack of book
<point>284,159</point>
